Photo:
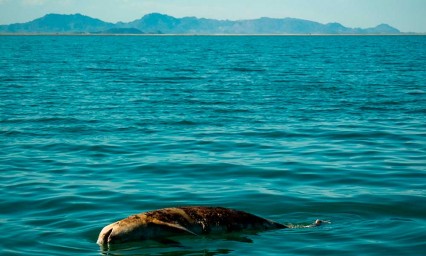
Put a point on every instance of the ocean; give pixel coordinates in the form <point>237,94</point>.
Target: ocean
<point>291,128</point>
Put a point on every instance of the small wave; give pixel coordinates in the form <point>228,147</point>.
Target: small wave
<point>416,92</point>
<point>45,120</point>
<point>248,70</point>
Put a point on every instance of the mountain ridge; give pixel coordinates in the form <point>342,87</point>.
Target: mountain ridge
<point>157,23</point>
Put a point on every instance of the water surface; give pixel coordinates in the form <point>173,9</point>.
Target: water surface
<point>93,129</point>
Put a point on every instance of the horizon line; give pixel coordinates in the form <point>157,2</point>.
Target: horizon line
<point>206,35</point>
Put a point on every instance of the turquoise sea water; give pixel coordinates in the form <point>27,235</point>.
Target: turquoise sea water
<point>93,129</point>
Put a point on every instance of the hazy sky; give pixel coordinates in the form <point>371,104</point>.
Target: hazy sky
<point>406,15</point>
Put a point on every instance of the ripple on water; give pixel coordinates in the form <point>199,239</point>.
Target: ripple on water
<point>94,129</point>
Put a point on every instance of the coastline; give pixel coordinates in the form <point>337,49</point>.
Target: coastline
<point>206,35</point>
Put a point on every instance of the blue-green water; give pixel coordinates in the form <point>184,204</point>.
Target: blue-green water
<point>93,129</point>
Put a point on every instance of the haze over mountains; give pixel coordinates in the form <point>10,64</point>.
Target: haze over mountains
<point>157,23</point>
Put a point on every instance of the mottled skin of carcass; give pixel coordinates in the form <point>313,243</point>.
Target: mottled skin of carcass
<point>163,223</point>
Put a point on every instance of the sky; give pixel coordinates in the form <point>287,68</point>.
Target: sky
<point>406,15</point>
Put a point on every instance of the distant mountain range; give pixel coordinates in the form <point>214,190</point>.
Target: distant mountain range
<point>157,23</point>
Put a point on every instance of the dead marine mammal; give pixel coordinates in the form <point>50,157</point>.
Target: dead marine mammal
<point>197,220</point>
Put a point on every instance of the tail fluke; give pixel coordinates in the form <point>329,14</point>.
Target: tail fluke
<point>317,223</point>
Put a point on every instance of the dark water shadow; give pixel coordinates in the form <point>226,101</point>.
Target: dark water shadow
<point>203,245</point>
<point>152,248</point>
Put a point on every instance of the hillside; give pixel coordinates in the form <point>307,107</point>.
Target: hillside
<point>157,23</point>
